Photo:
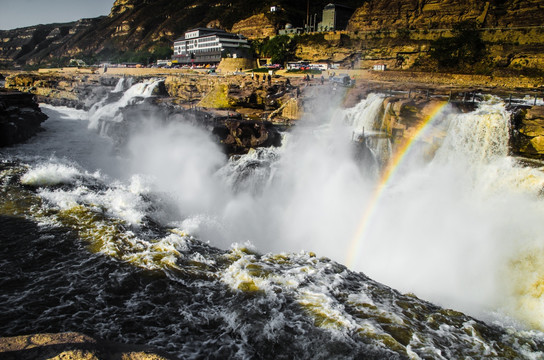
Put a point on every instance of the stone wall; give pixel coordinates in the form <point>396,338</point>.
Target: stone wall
<point>234,64</point>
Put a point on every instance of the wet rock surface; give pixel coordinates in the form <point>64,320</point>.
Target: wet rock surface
<point>71,346</point>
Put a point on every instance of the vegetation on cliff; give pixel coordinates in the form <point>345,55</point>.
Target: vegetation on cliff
<point>463,49</point>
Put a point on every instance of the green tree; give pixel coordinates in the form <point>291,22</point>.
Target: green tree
<point>280,48</point>
<point>161,52</point>
<point>463,49</point>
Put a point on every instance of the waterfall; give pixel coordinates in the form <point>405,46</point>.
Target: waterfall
<point>366,114</point>
<point>123,84</point>
<point>111,112</point>
<point>462,229</point>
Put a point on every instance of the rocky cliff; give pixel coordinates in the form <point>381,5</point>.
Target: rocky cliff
<point>20,117</point>
<point>442,14</point>
<point>255,27</point>
<point>528,133</point>
<point>401,33</point>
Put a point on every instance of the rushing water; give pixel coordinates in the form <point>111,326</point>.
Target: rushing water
<point>168,242</point>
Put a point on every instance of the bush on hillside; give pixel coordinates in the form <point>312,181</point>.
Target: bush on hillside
<point>463,49</point>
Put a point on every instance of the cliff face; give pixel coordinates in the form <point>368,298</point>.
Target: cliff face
<point>442,14</point>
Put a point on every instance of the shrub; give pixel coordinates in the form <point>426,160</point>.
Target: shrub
<point>466,47</point>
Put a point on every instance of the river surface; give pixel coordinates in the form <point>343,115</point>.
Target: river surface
<point>167,242</point>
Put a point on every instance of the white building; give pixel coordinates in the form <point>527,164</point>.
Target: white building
<point>207,46</point>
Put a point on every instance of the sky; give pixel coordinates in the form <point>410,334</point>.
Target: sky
<point>21,13</point>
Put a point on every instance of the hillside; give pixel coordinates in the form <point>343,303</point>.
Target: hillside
<point>140,25</point>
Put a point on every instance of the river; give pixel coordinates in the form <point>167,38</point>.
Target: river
<point>168,242</point>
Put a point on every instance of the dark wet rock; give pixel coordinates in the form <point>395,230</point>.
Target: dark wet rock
<point>71,346</point>
<point>20,117</point>
<point>238,136</point>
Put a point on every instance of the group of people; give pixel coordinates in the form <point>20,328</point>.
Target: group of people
<point>265,78</point>
<point>307,79</point>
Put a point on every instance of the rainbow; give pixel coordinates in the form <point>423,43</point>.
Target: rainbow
<point>388,174</point>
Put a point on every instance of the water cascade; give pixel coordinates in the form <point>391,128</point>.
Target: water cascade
<point>106,112</point>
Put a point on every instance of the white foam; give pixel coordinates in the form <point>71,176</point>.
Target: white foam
<point>50,174</point>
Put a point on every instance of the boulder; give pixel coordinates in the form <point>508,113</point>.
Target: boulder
<point>239,136</point>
